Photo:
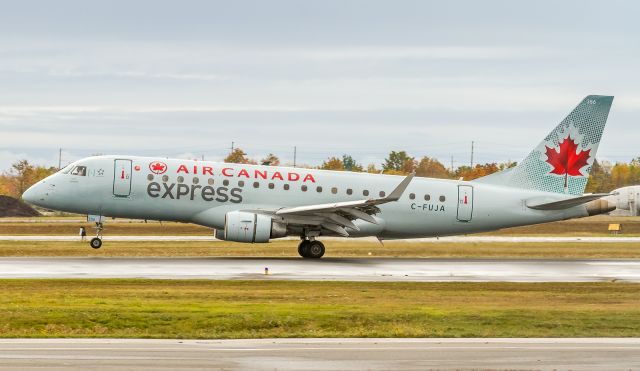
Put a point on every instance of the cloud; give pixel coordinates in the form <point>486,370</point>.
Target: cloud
<point>423,53</point>
<point>338,77</point>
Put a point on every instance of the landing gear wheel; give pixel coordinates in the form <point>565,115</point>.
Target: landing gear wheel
<point>315,250</point>
<point>303,248</point>
<point>96,243</point>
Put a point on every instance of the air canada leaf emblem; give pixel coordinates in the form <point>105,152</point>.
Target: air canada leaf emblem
<point>566,160</point>
<point>158,167</point>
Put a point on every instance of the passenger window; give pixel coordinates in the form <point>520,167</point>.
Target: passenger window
<point>427,197</point>
<point>165,178</point>
<point>303,188</point>
<point>271,185</point>
<point>382,193</point>
<point>210,181</point>
<point>412,196</point>
<point>79,171</point>
<point>225,182</point>
<point>441,198</point>
<point>195,180</point>
<point>319,189</point>
<point>256,185</point>
<point>334,190</point>
<point>349,191</point>
<point>240,183</point>
<point>365,192</point>
<point>150,177</point>
<point>180,179</point>
<point>286,187</point>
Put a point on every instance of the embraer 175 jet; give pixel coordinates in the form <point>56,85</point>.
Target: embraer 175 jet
<point>249,203</point>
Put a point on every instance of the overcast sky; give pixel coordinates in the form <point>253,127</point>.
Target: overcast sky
<point>186,78</point>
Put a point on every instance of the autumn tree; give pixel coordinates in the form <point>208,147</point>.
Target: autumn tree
<point>599,179</point>
<point>432,168</point>
<point>350,164</point>
<point>621,175</point>
<point>22,176</point>
<point>238,156</point>
<point>271,160</point>
<point>332,163</point>
<point>6,185</point>
<point>23,172</point>
<point>478,171</point>
<point>507,165</point>
<point>399,163</point>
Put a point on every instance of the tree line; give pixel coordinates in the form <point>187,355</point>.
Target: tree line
<point>604,177</point>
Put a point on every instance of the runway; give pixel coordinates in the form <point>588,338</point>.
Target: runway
<point>451,239</point>
<point>337,269</point>
<point>323,354</point>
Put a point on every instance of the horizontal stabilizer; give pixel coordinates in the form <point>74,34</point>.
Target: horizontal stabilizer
<point>544,203</point>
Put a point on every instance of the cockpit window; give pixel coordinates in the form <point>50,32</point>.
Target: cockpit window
<point>67,169</point>
<point>79,170</point>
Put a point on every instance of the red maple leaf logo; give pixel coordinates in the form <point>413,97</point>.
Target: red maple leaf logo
<point>566,160</point>
<point>157,167</point>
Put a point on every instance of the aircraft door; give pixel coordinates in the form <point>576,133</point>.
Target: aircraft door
<point>122,178</point>
<point>465,203</point>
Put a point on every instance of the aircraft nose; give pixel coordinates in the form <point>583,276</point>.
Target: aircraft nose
<point>33,194</point>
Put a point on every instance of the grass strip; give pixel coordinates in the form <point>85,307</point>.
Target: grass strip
<point>263,309</point>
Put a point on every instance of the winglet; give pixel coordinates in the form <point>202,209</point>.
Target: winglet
<point>397,193</point>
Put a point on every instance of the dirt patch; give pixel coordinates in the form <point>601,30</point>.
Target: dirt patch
<point>10,206</point>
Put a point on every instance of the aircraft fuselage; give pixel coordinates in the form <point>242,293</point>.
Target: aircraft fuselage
<point>203,192</point>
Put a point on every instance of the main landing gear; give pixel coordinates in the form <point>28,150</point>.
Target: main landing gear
<point>310,248</point>
<point>96,242</point>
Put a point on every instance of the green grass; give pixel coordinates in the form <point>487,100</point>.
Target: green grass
<point>592,226</point>
<point>335,248</point>
<point>262,309</point>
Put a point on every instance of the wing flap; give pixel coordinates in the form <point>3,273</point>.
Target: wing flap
<point>338,216</point>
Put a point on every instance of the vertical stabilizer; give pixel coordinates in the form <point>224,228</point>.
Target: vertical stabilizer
<point>562,161</point>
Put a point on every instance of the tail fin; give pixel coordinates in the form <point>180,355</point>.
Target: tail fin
<point>562,161</point>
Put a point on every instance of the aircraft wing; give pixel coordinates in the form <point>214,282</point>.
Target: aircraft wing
<point>340,215</point>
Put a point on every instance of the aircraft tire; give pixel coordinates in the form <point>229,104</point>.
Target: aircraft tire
<point>95,243</point>
<point>303,248</point>
<point>315,250</point>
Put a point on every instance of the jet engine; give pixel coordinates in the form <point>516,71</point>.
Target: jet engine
<point>244,226</point>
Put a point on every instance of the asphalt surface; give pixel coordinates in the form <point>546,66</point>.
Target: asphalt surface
<point>456,239</point>
<point>339,269</point>
<point>322,354</point>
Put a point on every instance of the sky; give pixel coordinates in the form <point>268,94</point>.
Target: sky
<point>187,78</point>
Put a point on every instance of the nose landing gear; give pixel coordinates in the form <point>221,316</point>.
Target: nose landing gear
<point>311,249</point>
<point>96,242</point>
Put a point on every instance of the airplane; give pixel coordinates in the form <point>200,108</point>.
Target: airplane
<point>255,203</point>
<point>626,199</point>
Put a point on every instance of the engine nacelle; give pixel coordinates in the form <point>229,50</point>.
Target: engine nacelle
<point>243,226</point>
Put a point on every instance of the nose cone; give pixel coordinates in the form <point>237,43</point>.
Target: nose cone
<point>33,194</point>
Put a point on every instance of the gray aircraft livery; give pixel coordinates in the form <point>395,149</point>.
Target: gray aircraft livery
<point>252,203</point>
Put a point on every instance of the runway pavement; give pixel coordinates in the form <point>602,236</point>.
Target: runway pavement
<point>340,269</point>
<point>323,354</point>
<point>455,239</point>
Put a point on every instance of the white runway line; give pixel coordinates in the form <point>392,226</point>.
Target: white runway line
<point>323,354</point>
<point>334,269</point>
